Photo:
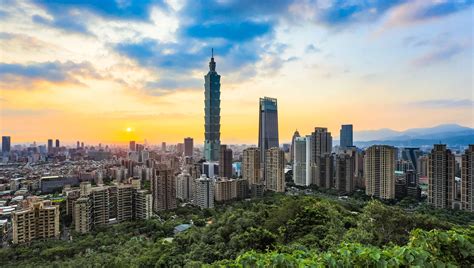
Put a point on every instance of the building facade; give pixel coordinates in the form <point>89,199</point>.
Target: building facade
<point>441,188</point>
<point>274,170</point>
<point>225,162</point>
<point>299,161</point>
<point>204,193</point>
<point>212,111</point>
<point>379,171</point>
<point>39,221</point>
<point>346,136</point>
<point>188,147</point>
<point>467,179</point>
<point>267,126</point>
<point>163,188</point>
<point>251,166</point>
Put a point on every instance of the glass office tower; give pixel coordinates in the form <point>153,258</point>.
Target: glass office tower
<point>268,126</point>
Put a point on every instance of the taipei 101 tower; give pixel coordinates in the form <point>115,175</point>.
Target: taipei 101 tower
<point>212,111</point>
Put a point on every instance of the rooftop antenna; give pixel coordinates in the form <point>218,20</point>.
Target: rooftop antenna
<point>212,52</point>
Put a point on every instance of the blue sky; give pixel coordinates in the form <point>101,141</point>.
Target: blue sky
<point>410,60</point>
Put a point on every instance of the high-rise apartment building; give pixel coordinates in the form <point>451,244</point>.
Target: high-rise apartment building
<point>346,136</point>
<point>323,171</point>
<point>82,217</point>
<point>6,144</point>
<point>299,161</point>
<point>212,112</point>
<point>225,162</point>
<point>274,170</point>
<point>184,186</point>
<point>204,193</point>
<point>345,169</point>
<point>188,146</point>
<point>251,170</point>
<point>163,188</point>
<point>225,189</point>
<point>322,143</point>
<point>292,151</point>
<point>39,221</point>
<point>100,205</point>
<point>267,126</point>
<point>379,171</point>
<point>124,202</point>
<point>467,179</point>
<point>142,204</point>
<point>441,165</point>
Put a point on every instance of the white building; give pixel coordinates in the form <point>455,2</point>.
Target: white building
<point>204,193</point>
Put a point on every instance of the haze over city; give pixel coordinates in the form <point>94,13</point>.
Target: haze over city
<point>114,71</point>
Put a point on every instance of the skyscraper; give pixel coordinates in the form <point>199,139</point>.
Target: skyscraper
<point>57,143</point>
<point>379,171</point>
<point>292,151</point>
<point>225,162</point>
<point>274,170</point>
<point>299,161</point>
<point>132,146</point>
<point>467,179</point>
<point>346,136</point>
<point>212,111</point>
<point>267,126</point>
<point>188,146</point>
<point>251,166</point>
<point>6,144</point>
<point>441,166</point>
<point>163,147</point>
<point>50,145</point>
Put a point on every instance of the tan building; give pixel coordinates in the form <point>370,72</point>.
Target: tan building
<point>184,186</point>
<point>163,188</point>
<point>251,170</point>
<point>379,171</point>
<point>467,179</point>
<point>39,221</point>
<point>225,189</point>
<point>82,217</point>
<point>100,206</point>
<point>274,170</point>
<point>441,166</point>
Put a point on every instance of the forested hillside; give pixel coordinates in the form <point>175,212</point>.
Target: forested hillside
<point>288,231</point>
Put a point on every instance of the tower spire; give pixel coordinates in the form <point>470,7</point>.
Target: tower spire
<point>212,63</point>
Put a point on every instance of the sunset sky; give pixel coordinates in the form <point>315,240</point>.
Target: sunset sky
<point>88,70</point>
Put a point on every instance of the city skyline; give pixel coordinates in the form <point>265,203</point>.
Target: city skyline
<point>134,72</point>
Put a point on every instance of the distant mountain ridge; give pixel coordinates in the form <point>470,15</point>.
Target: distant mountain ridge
<point>390,134</point>
<point>451,134</point>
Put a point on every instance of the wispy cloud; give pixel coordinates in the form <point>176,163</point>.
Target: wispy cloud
<point>417,11</point>
<point>444,103</point>
<point>439,54</point>
<point>11,73</point>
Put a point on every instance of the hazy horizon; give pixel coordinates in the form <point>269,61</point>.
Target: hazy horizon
<point>89,71</point>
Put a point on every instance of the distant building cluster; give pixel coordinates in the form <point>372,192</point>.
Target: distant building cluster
<point>82,187</point>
